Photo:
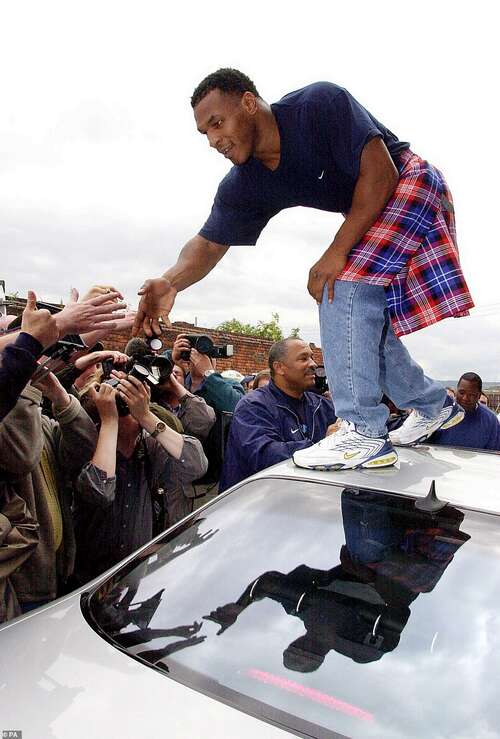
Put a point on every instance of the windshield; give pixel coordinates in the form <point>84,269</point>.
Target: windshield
<point>309,604</point>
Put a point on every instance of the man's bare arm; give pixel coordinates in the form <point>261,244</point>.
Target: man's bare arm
<point>378,178</point>
<point>197,258</point>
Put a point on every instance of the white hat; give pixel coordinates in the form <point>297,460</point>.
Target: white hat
<point>231,374</point>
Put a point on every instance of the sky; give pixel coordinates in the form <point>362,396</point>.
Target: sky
<point>103,176</point>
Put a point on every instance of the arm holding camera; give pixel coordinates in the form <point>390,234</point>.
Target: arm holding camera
<point>105,454</point>
<point>218,392</point>
<point>71,431</point>
<point>90,360</point>
<point>137,396</point>
<point>197,258</point>
<point>185,459</point>
<point>196,416</point>
<point>96,482</point>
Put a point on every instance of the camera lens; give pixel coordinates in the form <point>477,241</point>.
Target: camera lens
<point>204,344</point>
<point>155,344</point>
<point>139,372</point>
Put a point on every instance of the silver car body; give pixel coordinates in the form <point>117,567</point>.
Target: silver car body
<point>59,679</point>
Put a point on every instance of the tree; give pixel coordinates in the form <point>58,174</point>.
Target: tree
<point>270,330</point>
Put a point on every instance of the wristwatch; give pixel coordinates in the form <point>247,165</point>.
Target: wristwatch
<point>160,426</point>
<point>207,373</point>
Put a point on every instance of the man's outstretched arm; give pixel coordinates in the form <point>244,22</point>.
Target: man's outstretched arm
<point>198,257</point>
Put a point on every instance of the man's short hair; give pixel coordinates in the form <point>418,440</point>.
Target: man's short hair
<point>278,351</point>
<point>227,80</point>
<point>472,377</point>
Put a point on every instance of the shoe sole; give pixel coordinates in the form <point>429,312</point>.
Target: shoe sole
<point>457,418</point>
<point>453,421</point>
<point>387,460</point>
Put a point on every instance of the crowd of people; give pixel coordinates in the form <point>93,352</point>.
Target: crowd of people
<point>101,450</point>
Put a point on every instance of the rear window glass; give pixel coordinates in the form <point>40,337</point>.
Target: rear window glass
<point>313,605</point>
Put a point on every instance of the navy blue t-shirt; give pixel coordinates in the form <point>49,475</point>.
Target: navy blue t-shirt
<point>480,429</point>
<point>323,130</point>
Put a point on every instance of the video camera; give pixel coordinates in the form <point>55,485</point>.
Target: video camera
<point>148,368</point>
<point>320,380</point>
<point>205,345</point>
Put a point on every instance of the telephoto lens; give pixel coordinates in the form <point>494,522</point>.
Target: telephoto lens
<point>139,372</point>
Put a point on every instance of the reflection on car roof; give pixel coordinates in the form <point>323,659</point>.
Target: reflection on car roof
<point>464,477</point>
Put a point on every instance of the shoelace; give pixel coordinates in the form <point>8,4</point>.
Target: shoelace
<point>420,420</point>
<point>330,441</point>
<point>347,440</point>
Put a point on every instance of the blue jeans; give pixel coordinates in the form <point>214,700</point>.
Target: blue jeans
<point>364,359</point>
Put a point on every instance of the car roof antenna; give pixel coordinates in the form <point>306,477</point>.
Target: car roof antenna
<point>431,502</point>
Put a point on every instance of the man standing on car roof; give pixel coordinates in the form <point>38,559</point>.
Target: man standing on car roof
<point>392,268</point>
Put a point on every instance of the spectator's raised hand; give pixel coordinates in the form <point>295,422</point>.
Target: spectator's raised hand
<point>137,395</point>
<point>105,401</point>
<point>97,290</point>
<point>127,322</point>
<point>90,360</point>
<point>40,324</point>
<point>97,313</point>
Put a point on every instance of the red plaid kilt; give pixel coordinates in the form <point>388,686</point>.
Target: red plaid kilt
<point>411,250</point>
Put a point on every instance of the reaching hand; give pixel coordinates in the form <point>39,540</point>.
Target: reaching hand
<point>96,313</point>
<point>39,323</point>
<point>127,322</point>
<point>157,299</point>
<point>325,271</point>
<point>97,290</point>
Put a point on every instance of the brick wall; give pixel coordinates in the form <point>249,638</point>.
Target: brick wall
<point>250,353</point>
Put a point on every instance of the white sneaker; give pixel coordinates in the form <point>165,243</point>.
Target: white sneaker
<point>417,428</point>
<point>347,450</point>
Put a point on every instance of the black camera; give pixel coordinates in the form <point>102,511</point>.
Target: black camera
<point>320,380</point>
<point>205,345</point>
<point>148,368</point>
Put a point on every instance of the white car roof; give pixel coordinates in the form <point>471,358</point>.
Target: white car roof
<point>60,680</point>
<point>464,477</point>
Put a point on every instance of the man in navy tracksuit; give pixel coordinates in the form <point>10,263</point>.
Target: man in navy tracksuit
<point>273,422</point>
